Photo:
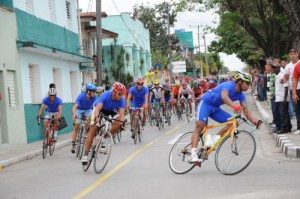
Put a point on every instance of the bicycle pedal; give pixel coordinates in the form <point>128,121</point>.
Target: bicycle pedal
<point>197,164</point>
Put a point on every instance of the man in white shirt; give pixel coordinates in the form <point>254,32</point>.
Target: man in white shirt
<point>281,99</point>
<point>288,76</point>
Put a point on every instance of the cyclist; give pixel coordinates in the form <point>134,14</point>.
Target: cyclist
<point>197,92</point>
<point>209,106</point>
<point>99,91</point>
<point>109,103</point>
<point>83,104</point>
<point>54,108</point>
<point>186,92</point>
<point>167,96</point>
<point>139,94</point>
<point>175,94</point>
<point>157,95</point>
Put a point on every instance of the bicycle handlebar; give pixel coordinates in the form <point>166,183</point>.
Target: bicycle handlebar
<point>239,116</point>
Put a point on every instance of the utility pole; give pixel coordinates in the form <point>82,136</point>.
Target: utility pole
<point>99,42</point>
<point>201,69</point>
<point>206,60</point>
<point>169,44</point>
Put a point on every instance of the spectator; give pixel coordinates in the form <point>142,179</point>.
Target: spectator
<point>260,87</point>
<point>288,77</point>
<point>296,93</point>
<point>282,120</point>
<point>271,89</point>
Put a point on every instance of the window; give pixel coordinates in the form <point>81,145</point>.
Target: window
<point>74,83</point>
<point>86,48</point>
<point>69,16</point>
<point>58,82</point>
<point>52,10</point>
<point>11,88</point>
<point>29,6</point>
<point>34,83</point>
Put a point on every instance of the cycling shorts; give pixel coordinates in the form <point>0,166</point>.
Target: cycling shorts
<point>49,115</point>
<point>87,113</point>
<point>205,110</point>
<point>156,101</point>
<point>197,95</point>
<point>168,99</point>
<point>186,96</point>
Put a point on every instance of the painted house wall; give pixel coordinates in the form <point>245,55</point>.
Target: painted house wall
<point>54,58</point>
<point>10,133</point>
<point>134,38</point>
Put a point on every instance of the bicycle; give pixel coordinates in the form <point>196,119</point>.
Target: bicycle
<point>186,108</point>
<point>234,150</point>
<point>101,146</point>
<point>81,136</point>
<point>138,130</point>
<point>179,110</point>
<point>49,136</point>
<point>168,113</point>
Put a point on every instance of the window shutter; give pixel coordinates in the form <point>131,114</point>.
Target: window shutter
<point>11,89</point>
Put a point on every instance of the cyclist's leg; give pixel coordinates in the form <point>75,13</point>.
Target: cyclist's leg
<point>221,116</point>
<point>76,128</point>
<point>89,139</point>
<point>190,103</point>
<point>203,111</point>
<point>117,125</point>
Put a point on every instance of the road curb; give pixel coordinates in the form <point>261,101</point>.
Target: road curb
<point>30,155</point>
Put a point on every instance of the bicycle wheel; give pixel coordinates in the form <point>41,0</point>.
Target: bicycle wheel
<point>180,154</point>
<point>232,158</point>
<point>137,127</point>
<point>187,112</point>
<point>140,131</point>
<point>119,135</point>
<point>78,141</point>
<point>91,155</point>
<point>52,145</point>
<point>81,143</point>
<point>103,151</point>
<point>45,143</point>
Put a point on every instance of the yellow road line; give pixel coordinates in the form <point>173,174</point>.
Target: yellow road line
<point>122,164</point>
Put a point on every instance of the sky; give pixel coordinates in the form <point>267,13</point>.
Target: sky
<point>189,21</point>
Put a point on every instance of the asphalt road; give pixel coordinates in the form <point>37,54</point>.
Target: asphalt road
<point>142,171</point>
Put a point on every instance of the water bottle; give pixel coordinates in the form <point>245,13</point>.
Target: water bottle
<point>208,140</point>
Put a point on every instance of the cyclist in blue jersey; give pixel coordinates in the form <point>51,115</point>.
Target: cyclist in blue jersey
<point>54,108</point>
<point>83,104</point>
<point>109,103</point>
<point>139,94</point>
<point>209,106</point>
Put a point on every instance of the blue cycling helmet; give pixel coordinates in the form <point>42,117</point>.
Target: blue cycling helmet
<point>90,87</point>
<point>150,85</point>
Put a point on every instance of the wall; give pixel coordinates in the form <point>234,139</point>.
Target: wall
<point>12,118</point>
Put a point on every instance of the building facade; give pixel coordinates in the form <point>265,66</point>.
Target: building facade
<point>48,51</point>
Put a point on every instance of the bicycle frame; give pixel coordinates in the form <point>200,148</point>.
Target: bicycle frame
<point>230,132</point>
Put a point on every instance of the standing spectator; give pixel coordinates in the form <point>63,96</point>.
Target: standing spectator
<point>282,119</point>
<point>271,88</point>
<point>260,87</point>
<point>288,77</point>
<point>296,94</point>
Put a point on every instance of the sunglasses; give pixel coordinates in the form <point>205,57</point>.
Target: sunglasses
<point>293,51</point>
<point>120,94</point>
<point>52,95</point>
<point>140,84</point>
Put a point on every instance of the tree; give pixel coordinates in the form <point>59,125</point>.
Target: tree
<point>255,29</point>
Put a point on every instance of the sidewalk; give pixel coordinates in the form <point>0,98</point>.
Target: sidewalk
<point>288,143</point>
<point>12,155</point>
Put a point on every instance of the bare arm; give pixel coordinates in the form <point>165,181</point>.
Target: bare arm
<point>59,111</point>
<point>74,111</point>
<point>128,100</point>
<point>294,90</point>
<point>247,112</point>
<point>41,110</point>
<point>226,99</point>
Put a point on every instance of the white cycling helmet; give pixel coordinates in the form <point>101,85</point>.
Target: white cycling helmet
<point>52,91</point>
